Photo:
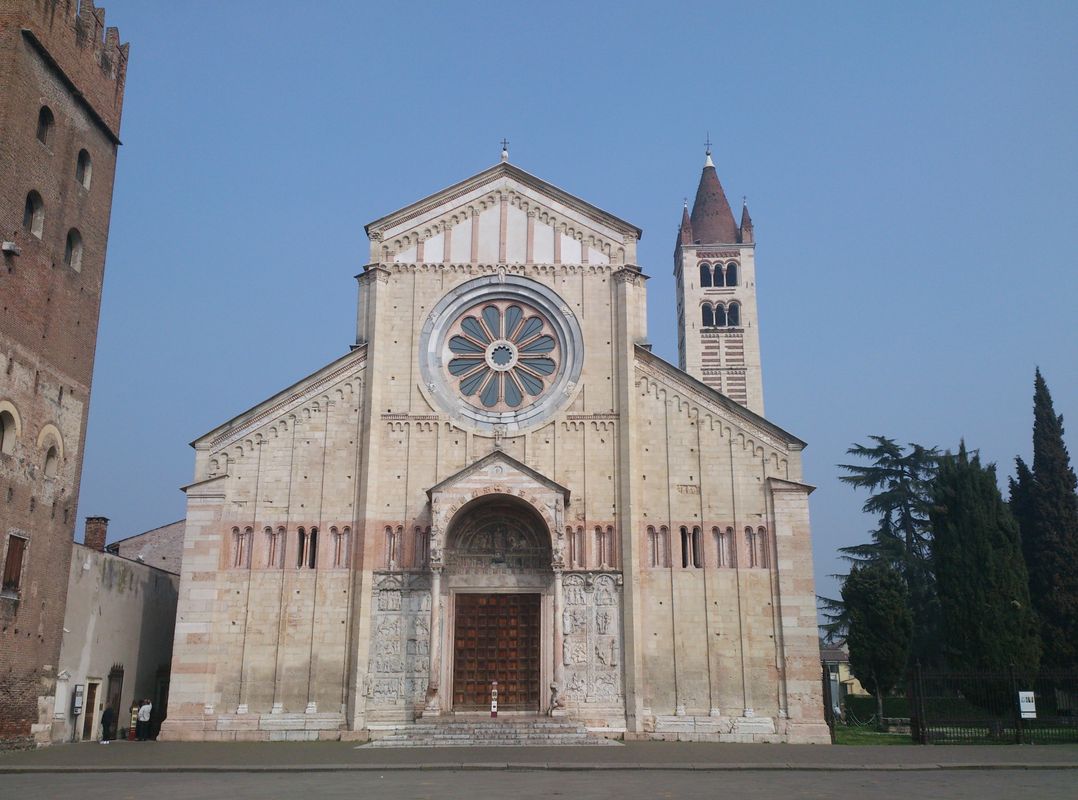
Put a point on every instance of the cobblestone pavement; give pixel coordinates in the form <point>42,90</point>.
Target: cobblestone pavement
<point>526,785</point>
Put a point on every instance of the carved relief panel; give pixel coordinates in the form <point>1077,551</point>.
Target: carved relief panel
<point>400,640</point>
<point>591,627</point>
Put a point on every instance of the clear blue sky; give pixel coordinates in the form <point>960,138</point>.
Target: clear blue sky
<point>911,172</point>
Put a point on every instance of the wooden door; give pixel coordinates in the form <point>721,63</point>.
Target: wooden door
<point>497,639</point>
<point>89,711</point>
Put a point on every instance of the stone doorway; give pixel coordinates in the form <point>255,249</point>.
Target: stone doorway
<point>497,638</point>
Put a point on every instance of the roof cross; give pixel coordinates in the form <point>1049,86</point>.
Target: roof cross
<point>707,143</point>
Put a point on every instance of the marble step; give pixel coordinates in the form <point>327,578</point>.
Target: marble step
<point>488,734</point>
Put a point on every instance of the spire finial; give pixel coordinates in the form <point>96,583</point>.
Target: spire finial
<point>685,201</point>
<point>744,201</point>
<point>505,149</point>
<point>707,151</point>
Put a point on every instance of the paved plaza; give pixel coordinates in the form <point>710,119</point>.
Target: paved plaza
<point>525,785</point>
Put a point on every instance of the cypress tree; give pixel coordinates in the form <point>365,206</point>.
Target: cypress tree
<point>981,580</point>
<point>880,628</point>
<point>1050,533</point>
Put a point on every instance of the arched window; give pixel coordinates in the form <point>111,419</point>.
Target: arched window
<point>84,169</point>
<point>708,316</point>
<point>312,548</point>
<point>720,316</point>
<point>750,546</point>
<point>274,540</point>
<point>604,547</point>
<point>301,547</point>
<point>728,548</point>
<point>8,430</point>
<point>45,120</point>
<point>705,275</point>
<point>722,547</point>
<point>33,214</point>
<point>422,547</point>
<point>73,250</point>
<point>659,547</point>
<point>762,551</point>
<point>576,547</point>
<point>392,548</point>
<point>686,547</point>
<point>719,280</point>
<point>731,274</point>
<point>52,461</point>
<point>241,547</point>
<point>697,560</point>
<point>733,315</point>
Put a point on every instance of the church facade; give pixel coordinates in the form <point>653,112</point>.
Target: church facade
<point>501,482</point>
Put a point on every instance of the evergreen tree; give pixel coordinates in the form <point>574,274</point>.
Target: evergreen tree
<point>982,585</point>
<point>899,479</point>
<point>1049,517</point>
<point>880,628</point>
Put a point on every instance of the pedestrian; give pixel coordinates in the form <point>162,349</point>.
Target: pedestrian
<point>108,722</point>
<point>143,726</point>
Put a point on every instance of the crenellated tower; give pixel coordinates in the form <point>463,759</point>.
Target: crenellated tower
<point>715,271</point>
<point>62,75</point>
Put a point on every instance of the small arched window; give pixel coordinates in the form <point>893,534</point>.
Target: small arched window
<point>342,548</point>
<point>724,549</point>
<point>705,275</point>
<point>241,547</point>
<point>73,250</point>
<point>301,546</point>
<point>45,120</point>
<point>422,546</point>
<point>52,461</point>
<point>750,546</point>
<point>708,316</point>
<point>272,546</point>
<point>763,558</point>
<point>33,214</point>
<point>720,316</point>
<point>392,548</point>
<point>733,315</point>
<point>7,432</point>
<point>84,169</point>
<point>719,280</point>
<point>731,274</point>
<point>312,548</point>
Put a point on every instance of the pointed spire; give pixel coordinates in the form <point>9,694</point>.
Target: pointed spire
<point>685,231</point>
<point>746,236</point>
<point>712,219</point>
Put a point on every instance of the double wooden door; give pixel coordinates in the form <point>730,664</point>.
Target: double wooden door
<point>497,639</point>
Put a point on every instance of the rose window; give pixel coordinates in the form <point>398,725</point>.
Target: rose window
<point>502,355</point>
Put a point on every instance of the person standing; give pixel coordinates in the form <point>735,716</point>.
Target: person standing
<point>143,725</point>
<point>108,721</point>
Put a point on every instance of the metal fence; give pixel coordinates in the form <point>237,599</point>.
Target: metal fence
<point>993,707</point>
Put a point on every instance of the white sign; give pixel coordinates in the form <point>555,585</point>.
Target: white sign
<point>1027,705</point>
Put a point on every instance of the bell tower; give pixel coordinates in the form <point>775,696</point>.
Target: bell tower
<point>715,272</point>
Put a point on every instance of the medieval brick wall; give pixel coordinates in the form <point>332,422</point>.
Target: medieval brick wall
<point>58,56</point>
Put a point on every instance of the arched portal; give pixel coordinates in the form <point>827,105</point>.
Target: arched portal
<point>499,577</point>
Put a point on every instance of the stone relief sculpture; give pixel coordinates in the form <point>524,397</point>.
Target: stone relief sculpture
<point>591,647</point>
<point>400,640</point>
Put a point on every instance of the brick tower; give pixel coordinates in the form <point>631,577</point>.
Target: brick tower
<point>61,94</point>
<point>715,271</point>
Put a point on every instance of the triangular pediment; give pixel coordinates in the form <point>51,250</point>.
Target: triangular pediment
<point>502,215</point>
<point>498,467</point>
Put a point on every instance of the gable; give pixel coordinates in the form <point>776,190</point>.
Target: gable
<point>662,378</point>
<point>503,215</point>
<point>500,467</point>
<point>314,390</point>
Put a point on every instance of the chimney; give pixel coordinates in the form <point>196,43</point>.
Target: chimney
<point>97,529</point>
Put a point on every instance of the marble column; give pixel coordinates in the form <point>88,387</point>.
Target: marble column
<point>559,640</point>
<point>434,675</point>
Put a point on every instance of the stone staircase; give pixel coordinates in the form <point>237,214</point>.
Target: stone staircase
<point>508,732</point>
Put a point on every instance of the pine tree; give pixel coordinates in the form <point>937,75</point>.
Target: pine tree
<point>1050,532</point>
<point>900,480</point>
<point>880,628</point>
<point>986,618</point>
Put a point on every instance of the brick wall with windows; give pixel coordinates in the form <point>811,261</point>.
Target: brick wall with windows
<point>62,76</point>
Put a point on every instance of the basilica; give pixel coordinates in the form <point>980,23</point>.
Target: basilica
<point>500,482</point>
